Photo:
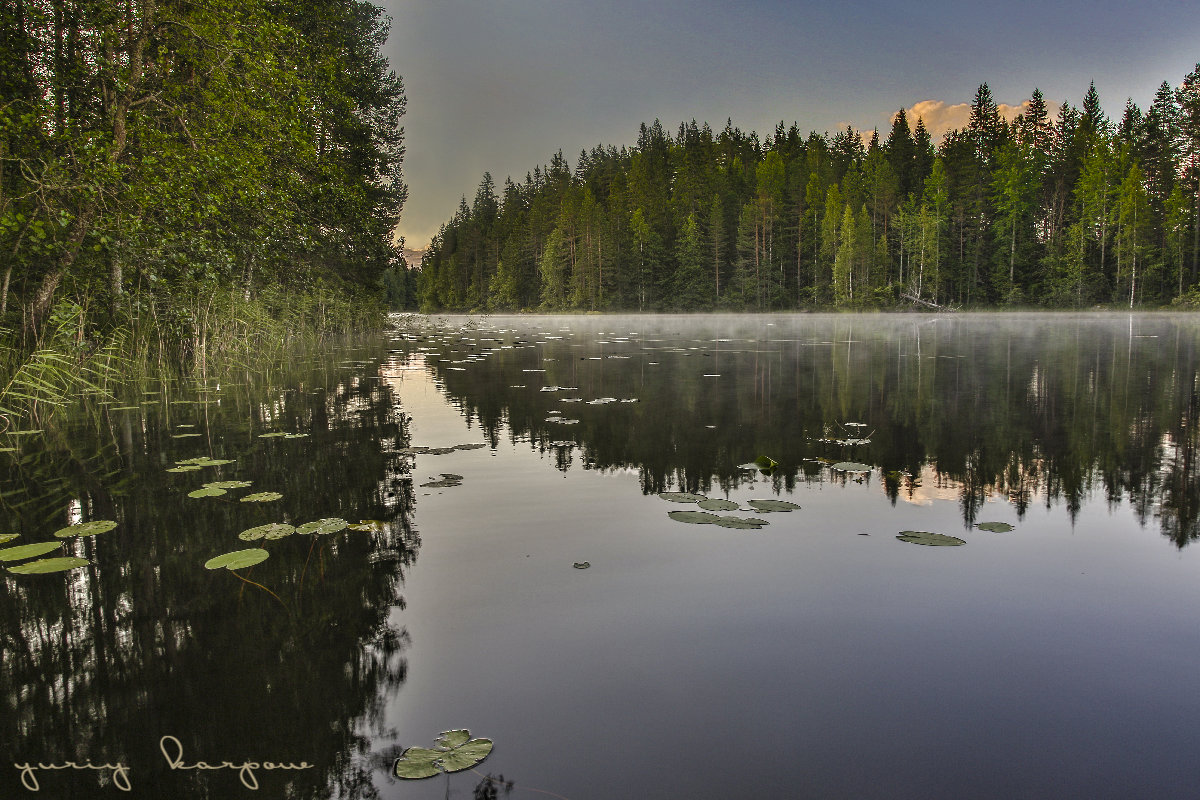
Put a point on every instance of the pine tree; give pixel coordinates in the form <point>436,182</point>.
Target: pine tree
<point>691,283</point>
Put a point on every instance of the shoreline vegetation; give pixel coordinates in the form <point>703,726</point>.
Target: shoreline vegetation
<point>183,185</point>
<point>1059,209</point>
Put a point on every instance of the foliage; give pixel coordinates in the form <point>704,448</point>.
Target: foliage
<point>1042,209</point>
<point>185,173</point>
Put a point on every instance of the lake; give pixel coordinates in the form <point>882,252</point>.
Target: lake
<point>490,538</point>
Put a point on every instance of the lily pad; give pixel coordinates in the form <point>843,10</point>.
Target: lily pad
<point>183,435</point>
<point>328,525</point>
<point>207,491</point>
<point>228,485</point>
<point>995,527</point>
<point>455,751</point>
<point>718,504</point>
<point>272,530</point>
<point>238,559</point>
<point>772,505</point>
<point>8,537</point>
<point>367,525</point>
<point>745,523</point>
<point>86,528</point>
<point>272,435</point>
<point>695,517</point>
<point>186,468</point>
<point>470,446</point>
<point>44,565</point>
<point>204,461</point>
<point>682,497</point>
<point>23,551</point>
<point>295,436</point>
<point>930,539</point>
<point>766,463</point>
<point>416,763</point>
<point>262,497</point>
<point>852,466</point>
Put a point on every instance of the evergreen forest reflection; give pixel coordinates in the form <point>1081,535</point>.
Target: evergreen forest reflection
<point>1051,409</point>
<point>289,664</point>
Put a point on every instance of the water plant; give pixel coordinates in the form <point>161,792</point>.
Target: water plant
<point>929,539</point>
<point>454,751</point>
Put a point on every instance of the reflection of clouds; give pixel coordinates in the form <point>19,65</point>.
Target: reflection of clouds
<point>941,118</point>
<point>934,487</point>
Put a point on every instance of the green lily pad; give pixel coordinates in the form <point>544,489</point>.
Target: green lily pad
<point>207,491</point>
<point>227,485</point>
<point>295,436</point>
<point>368,525</point>
<point>766,463</point>
<point>930,539</point>
<point>23,551</point>
<point>272,530</point>
<point>238,559</point>
<point>772,505</point>
<point>186,468</point>
<point>995,527</point>
<point>86,528</point>
<point>718,504</point>
<point>204,461</point>
<point>852,466</point>
<point>262,497</point>
<point>183,435</point>
<point>682,497</point>
<point>328,525</point>
<point>44,565</point>
<point>416,763</point>
<point>8,537</point>
<point>745,523</point>
<point>455,751</point>
<point>695,517</point>
<point>272,435</point>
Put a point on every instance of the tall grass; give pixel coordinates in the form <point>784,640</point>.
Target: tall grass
<point>62,367</point>
<point>83,349</point>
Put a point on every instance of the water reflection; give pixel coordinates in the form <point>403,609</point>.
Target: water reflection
<point>101,663</point>
<point>1035,408</point>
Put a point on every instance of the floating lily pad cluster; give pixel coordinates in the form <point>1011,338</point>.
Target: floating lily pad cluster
<point>454,751</point>
<point>198,463</point>
<point>438,451</point>
<point>447,480</point>
<point>942,540</point>
<point>711,504</point>
<point>35,550</point>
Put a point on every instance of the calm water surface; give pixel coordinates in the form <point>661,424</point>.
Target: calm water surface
<point>818,656</point>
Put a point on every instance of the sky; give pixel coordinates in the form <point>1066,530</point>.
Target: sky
<point>501,85</point>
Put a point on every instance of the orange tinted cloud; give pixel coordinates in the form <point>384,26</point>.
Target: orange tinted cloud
<point>941,118</point>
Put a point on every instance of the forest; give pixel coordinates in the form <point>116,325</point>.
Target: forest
<point>1059,208</point>
<point>189,178</point>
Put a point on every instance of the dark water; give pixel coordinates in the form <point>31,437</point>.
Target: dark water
<point>816,657</point>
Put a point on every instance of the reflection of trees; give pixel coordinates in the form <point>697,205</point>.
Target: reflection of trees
<point>1035,410</point>
<point>98,663</point>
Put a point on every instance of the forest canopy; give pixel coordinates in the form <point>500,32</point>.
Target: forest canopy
<point>155,154</point>
<point>1059,208</point>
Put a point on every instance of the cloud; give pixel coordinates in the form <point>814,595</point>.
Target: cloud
<point>941,118</point>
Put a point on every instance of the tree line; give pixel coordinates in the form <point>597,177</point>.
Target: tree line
<point>158,154</point>
<point>1059,208</point>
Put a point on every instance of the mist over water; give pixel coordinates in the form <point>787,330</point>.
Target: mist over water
<point>816,656</point>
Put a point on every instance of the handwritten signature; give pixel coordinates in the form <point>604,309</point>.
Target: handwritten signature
<point>172,750</point>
